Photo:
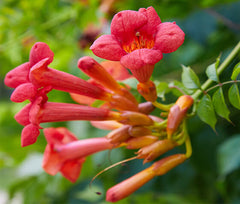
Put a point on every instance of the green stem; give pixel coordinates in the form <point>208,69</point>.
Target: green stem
<point>224,83</point>
<point>188,147</point>
<point>223,66</point>
<point>164,107</point>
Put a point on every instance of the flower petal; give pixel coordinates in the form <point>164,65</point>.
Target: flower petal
<point>169,37</point>
<point>23,92</point>
<point>116,69</point>
<point>29,135</point>
<point>72,169</point>
<point>40,51</point>
<point>138,58</point>
<point>17,76</point>
<point>125,24</point>
<point>153,21</point>
<point>107,47</point>
<point>22,117</point>
<point>141,63</point>
<point>52,162</point>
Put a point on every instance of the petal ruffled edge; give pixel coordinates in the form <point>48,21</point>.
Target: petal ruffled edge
<point>141,63</point>
<point>17,76</point>
<point>141,57</point>
<point>125,24</point>
<point>40,51</point>
<point>153,20</point>
<point>169,37</point>
<point>107,47</point>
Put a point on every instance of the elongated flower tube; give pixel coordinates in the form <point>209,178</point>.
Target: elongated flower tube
<point>177,113</point>
<point>97,72</point>
<point>42,76</point>
<point>137,40</point>
<point>41,112</point>
<point>93,69</point>
<point>53,162</point>
<point>83,148</point>
<point>130,185</point>
<point>115,69</point>
<point>164,165</point>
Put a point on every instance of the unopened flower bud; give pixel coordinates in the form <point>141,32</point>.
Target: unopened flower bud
<point>178,112</point>
<point>146,107</point>
<point>136,131</point>
<point>119,135</point>
<point>135,118</point>
<point>152,151</point>
<point>139,142</point>
<point>130,185</point>
<point>166,164</point>
<point>121,103</point>
<point>106,124</point>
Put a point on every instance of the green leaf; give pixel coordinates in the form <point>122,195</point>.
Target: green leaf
<point>228,155</point>
<point>233,95</point>
<point>236,71</point>
<point>162,89</point>
<point>205,111</point>
<point>212,72</point>
<point>190,79</point>
<point>220,105</point>
<point>178,88</point>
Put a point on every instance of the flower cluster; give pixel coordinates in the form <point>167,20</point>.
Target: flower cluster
<point>136,42</point>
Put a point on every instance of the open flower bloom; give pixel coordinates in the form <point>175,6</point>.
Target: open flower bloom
<point>53,162</point>
<point>40,111</point>
<point>65,153</point>
<point>18,78</point>
<point>137,40</point>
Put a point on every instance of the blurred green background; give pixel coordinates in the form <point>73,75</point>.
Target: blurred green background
<point>211,175</point>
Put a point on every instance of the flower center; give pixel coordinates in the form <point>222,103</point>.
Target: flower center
<point>139,42</point>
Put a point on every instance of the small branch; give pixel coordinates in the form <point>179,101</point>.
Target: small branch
<point>224,83</point>
<point>221,68</point>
